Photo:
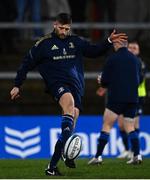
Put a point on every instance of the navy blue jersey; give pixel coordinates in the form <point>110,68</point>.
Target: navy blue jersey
<point>121,75</point>
<point>60,60</point>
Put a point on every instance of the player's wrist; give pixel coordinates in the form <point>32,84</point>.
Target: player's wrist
<point>109,40</point>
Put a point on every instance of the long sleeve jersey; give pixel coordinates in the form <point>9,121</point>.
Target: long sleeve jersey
<point>60,60</point>
<point>121,76</point>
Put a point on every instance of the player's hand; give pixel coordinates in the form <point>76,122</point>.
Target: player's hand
<point>101,91</point>
<point>118,37</point>
<point>14,93</point>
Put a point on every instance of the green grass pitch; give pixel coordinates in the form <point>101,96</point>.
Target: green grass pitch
<point>110,169</point>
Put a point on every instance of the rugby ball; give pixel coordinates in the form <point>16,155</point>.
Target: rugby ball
<point>72,147</point>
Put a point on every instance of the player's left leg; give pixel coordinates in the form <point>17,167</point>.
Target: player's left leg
<point>67,104</point>
<point>108,121</point>
<point>77,107</point>
<point>70,163</point>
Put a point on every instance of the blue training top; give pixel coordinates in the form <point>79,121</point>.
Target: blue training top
<point>121,75</point>
<point>60,60</point>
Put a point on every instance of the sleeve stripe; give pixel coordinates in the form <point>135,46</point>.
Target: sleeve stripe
<point>30,54</point>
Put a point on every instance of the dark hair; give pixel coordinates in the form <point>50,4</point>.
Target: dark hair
<point>64,18</point>
<point>134,42</point>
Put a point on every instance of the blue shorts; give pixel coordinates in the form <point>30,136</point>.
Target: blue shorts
<point>127,109</point>
<point>58,89</point>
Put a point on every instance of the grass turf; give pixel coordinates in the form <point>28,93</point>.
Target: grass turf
<point>110,169</point>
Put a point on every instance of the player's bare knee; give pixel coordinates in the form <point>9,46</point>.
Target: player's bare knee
<point>69,110</point>
<point>129,124</point>
<point>106,127</point>
<point>67,102</point>
<point>69,107</point>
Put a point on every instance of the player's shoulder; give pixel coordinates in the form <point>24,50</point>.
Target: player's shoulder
<point>76,37</point>
<point>79,40</point>
<point>43,39</point>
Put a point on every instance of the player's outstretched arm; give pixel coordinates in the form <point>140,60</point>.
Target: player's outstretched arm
<point>118,37</point>
<point>14,93</point>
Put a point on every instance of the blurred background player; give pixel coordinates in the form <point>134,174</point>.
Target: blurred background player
<point>134,48</point>
<point>120,78</point>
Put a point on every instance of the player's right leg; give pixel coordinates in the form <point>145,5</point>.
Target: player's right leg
<point>76,115</point>
<point>126,153</point>
<point>135,145</point>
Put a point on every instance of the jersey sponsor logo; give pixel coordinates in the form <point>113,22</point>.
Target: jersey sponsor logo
<point>64,57</point>
<point>22,144</point>
<point>54,47</point>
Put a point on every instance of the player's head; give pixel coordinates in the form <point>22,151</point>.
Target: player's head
<point>118,45</point>
<point>62,25</point>
<point>134,48</point>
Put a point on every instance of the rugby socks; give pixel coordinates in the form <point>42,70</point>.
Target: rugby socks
<point>135,145</point>
<point>124,137</point>
<point>102,141</point>
<point>57,154</point>
<point>67,128</point>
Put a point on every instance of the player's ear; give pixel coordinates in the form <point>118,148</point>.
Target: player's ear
<point>55,24</point>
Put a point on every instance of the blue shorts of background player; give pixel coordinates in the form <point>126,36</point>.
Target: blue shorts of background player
<point>128,110</point>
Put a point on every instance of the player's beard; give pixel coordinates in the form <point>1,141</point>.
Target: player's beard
<point>60,35</point>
